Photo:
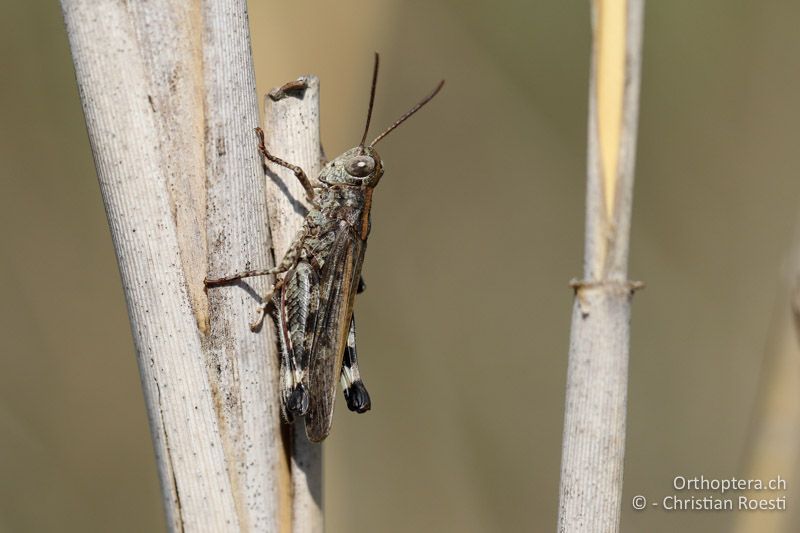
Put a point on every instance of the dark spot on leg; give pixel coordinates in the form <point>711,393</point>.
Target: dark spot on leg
<point>357,397</point>
<point>297,404</point>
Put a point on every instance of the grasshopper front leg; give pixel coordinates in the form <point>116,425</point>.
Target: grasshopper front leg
<point>296,170</point>
<point>291,258</point>
<point>288,262</point>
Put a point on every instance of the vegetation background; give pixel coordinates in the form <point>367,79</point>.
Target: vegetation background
<point>477,228</point>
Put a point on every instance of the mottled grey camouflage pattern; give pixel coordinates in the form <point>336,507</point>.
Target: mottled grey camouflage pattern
<point>314,300</point>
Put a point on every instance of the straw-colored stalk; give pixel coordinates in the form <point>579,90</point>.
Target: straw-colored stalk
<point>594,421</point>
<point>168,94</point>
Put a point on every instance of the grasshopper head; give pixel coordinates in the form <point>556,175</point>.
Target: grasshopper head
<point>360,167</point>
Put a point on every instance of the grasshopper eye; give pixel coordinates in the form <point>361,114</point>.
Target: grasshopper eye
<point>360,166</point>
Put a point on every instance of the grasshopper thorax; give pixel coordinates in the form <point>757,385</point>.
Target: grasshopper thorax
<point>358,167</point>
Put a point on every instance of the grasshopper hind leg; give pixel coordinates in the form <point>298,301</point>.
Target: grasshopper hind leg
<point>297,403</point>
<point>296,305</point>
<point>355,393</point>
<point>294,394</point>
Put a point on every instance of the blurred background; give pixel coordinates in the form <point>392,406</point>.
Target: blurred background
<point>477,228</point>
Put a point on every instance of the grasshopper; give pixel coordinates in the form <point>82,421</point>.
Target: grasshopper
<point>313,300</point>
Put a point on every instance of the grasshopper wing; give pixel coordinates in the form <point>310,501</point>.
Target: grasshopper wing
<point>338,282</point>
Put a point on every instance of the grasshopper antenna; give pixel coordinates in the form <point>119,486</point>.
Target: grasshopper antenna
<point>407,115</point>
<point>371,100</point>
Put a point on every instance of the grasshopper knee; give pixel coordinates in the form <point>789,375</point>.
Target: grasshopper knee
<point>298,400</point>
<point>357,397</point>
